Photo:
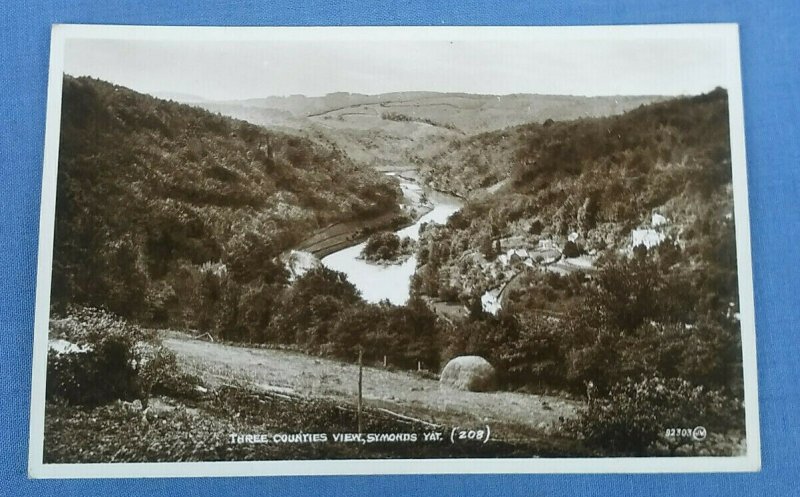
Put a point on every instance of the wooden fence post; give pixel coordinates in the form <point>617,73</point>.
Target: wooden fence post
<point>360,377</point>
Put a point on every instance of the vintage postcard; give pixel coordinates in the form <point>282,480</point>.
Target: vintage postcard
<point>385,250</point>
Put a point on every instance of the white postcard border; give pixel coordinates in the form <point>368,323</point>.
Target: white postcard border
<point>726,32</point>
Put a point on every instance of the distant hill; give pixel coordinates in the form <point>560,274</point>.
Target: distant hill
<point>468,113</point>
<point>408,127</point>
<point>150,190</point>
<point>178,97</point>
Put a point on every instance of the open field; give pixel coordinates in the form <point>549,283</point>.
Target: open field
<point>403,392</point>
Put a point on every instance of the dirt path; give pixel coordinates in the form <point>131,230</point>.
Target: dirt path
<point>401,392</point>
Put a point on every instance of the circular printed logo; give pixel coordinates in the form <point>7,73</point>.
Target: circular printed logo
<point>699,433</point>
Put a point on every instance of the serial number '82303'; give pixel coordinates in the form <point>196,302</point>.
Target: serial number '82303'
<point>697,433</point>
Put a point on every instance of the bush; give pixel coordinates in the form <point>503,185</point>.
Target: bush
<point>175,383</point>
<point>117,360</point>
<point>634,418</point>
<point>93,377</point>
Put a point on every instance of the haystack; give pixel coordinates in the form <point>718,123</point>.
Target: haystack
<point>470,372</point>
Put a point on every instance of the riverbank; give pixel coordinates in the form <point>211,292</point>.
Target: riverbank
<point>379,282</point>
<point>340,236</point>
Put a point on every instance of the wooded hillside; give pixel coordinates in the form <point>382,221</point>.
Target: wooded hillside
<point>150,192</point>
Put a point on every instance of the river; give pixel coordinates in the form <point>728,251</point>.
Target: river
<point>392,282</point>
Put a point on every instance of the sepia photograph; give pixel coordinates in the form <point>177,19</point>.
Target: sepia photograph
<point>377,250</point>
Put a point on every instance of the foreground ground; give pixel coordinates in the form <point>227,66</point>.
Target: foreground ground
<point>266,393</point>
<point>407,393</point>
<point>245,404</point>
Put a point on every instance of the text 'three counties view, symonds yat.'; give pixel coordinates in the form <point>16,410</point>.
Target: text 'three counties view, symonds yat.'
<point>528,246</point>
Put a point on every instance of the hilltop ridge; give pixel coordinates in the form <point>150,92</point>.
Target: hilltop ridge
<point>406,128</point>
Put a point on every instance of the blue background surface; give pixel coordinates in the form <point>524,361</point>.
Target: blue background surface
<point>770,45</point>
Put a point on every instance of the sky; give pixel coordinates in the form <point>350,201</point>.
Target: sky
<point>233,70</point>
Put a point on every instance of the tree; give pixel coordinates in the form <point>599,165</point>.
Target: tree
<point>124,281</point>
<point>410,334</point>
<point>249,256</point>
<point>381,246</point>
<point>307,309</point>
<point>486,246</point>
<point>627,292</point>
<point>536,357</point>
<point>571,249</point>
<point>357,328</point>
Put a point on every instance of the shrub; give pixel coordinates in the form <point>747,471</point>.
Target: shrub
<point>117,360</point>
<point>169,380</point>
<point>634,418</point>
<point>95,376</point>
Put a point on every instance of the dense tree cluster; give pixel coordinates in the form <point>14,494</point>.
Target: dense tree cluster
<point>635,318</point>
<point>598,179</point>
<point>322,313</point>
<point>386,246</point>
